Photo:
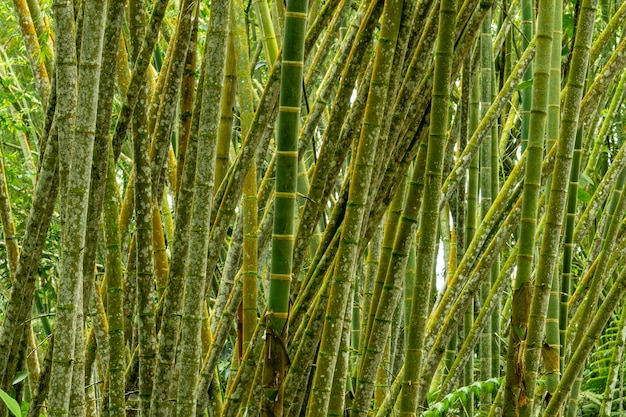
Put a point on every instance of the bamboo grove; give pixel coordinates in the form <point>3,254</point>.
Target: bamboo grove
<point>312,208</point>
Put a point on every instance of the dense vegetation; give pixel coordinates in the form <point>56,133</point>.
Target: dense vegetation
<point>312,209</point>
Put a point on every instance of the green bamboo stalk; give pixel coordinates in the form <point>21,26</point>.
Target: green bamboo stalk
<point>270,43</point>
<point>514,395</point>
<point>336,404</point>
<point>99,168</point>
<point>186,104</point>
<point>226,112</point>
<point>172,304</point>
<point>141,273</point>
<point>114,288</point>
<point>403,247</point>
<point>557,202</point>
<point>250,244</point>
<point>472,212</point>
<point>284,206</point>
<point>391,228</point>
<point>374,250</point>
<point>528,19</point>
<point>552,346</point>
<point>430,208</point>
<point>144,267</point>
<point>77,127</point>
<point>568,247</point>
<point>189,359</point>
<point>486,345</point>
<point>495,271</point>
<point>170,92</point>
<point>357,203</point>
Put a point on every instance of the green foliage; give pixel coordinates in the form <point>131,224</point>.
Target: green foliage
<point>11,404</point>
<point>461,397</point>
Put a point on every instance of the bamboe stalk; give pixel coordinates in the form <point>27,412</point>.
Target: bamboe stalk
<point>114,288</point>
<point>189,358</point>
<point>160,138</point>
<point>528,21</point>
<point>391,227</point>
<point>557,202</point>
<point>374,250</point>
<point>172,304</point>
<point>568,247</point>
<point>515,395</point>
<point>267,30</point>
<point>226,112</point>
<point>430,208</point>
<point>284,207</point>
<point>186,105</point>
<point>336,405</point>
<point>144,266</point>
<point>552,347</point>
<point>486,188</point>
<point>76,130</point>
<point>250,248</point>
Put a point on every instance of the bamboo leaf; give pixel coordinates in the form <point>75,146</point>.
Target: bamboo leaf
<point>19,377</point>
<point>11,404</point>
<point>524,85</point>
